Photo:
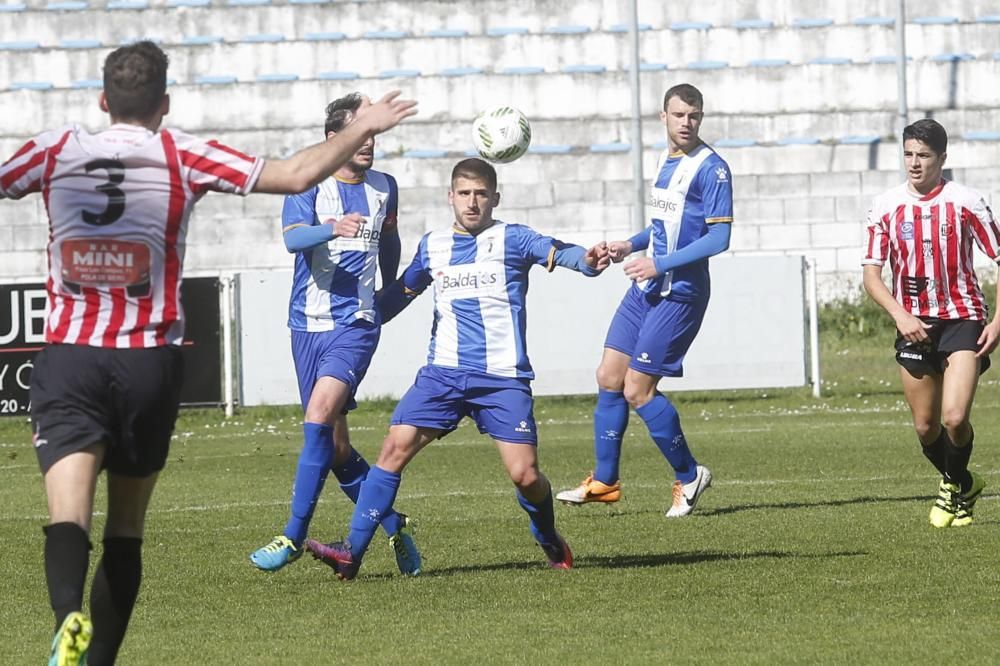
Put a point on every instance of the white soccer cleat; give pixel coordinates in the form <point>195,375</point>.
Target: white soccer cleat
<point>686,495</point>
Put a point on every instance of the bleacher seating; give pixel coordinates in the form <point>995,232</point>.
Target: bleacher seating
<point>795,92</point>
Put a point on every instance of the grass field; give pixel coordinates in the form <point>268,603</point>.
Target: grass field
<point>811,547</point>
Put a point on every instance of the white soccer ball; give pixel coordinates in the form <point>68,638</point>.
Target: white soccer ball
<point>501,134</point>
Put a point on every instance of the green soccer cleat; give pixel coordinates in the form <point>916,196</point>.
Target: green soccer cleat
<point>407,556</point>
<point>69,647</point>
<point>965,502</point>
<point>943,511</point>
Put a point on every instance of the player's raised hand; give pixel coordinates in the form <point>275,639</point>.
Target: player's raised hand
<point>386,113</point>
<point>641,269</point>
<point>347,226</point>
<point>618,250</point>
<point>597,257</point>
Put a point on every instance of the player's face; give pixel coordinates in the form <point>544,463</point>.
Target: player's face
<point>923,165</point>
<point>683,122</point>
<point>473,202</point>
<point>362,160</point>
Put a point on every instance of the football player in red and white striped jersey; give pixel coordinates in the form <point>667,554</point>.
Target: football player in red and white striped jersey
<point>926,229</point>
<point>105,389</point>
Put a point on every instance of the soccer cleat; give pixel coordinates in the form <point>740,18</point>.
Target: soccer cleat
<point>407,556</point>
<point>943,512</point>
<point>278,553</point>
<point>965,502</point>
<point>686,495</point>
<point>337,556</point>
<point>69,647</point>
<point>591,490</point>
<point>560,556</point>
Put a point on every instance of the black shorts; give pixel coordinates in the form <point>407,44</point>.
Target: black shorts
<point>125,398</point>
<point>946,336</point>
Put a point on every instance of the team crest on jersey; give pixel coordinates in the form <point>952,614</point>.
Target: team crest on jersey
<point>722,174</point>
<point>928,249</point>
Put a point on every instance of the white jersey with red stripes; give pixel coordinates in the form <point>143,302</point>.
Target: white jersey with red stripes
<point>928,241</point>
<point>118,203</point>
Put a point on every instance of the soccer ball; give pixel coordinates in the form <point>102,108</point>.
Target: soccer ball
<point>501,134</point>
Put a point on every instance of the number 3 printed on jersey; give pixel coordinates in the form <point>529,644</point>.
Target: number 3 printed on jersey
<point>116,198</point>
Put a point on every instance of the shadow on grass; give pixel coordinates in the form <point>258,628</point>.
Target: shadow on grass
<point>626,561</point>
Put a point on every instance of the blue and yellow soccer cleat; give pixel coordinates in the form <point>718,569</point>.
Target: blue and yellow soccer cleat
<point>943,512</point>
<point>69,647</point>
<point>407,556</point>
<point>275,555</point>
<point>559,554</point>
<point>964,502</point>
<point>337,556</point>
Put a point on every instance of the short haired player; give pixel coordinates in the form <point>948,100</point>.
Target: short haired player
<point>477,365</point>
<point>926,229</point>
<point>338,230</point>
<point>105,388</point>
<point>690,212</point>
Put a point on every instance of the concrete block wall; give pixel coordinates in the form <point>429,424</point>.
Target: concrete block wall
<point>807,199</point>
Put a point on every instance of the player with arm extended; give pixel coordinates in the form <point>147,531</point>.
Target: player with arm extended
<point>105,388</point>
<point>338,231</point>
<point>926,228</point>
<point>477,364</point>
<point>690,208</point>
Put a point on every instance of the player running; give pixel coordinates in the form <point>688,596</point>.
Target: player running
<point>105,390</point>
<point>338,231</point>
<point>925,228</point>
<point>477,364</point>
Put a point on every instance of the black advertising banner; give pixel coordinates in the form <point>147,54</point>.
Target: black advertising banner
<point>22,335</point>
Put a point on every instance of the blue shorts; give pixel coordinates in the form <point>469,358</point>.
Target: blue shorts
<point>502,407</point>
<point>343,353</point>
<point>655,331</point>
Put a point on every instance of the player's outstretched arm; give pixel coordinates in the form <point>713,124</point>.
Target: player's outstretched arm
<point>310,165</point>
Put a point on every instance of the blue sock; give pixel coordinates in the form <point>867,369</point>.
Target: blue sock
<point>314,464</point>
<point>378,492</point>
<point>350,475</point>
<point>542,517</point>
<point>610,421</point>
<point>665,428</point>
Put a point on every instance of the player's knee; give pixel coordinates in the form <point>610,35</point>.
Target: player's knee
<point>954,419</point>
<point>609,378</point>
<point>524,475</point>
<point>394,454</point>
<point>637,395</point>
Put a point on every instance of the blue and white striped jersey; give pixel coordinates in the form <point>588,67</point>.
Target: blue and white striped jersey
<point>334,282</point>
<point>691,191</point>
<point>480,284</point>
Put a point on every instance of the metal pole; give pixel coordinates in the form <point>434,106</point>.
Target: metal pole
<point>814,328</point>
<point>903,112</point>
<point>226,305</point>
<point>638,219</point>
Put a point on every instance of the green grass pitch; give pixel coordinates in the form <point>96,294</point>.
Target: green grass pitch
<point>812,546</point>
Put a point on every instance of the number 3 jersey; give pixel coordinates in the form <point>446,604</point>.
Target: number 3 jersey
<point>118,203</point>
<point>928,242</point>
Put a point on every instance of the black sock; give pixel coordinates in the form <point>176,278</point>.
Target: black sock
<point>957,463</point>
<point>67,555</point>
<point>936,452</point>
<point>112,596</point>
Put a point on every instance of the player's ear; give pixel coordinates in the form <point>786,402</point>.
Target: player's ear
<point>102,102</point>
<point>165,105</point>
<point>496,199</point>
<point>663,116</point>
